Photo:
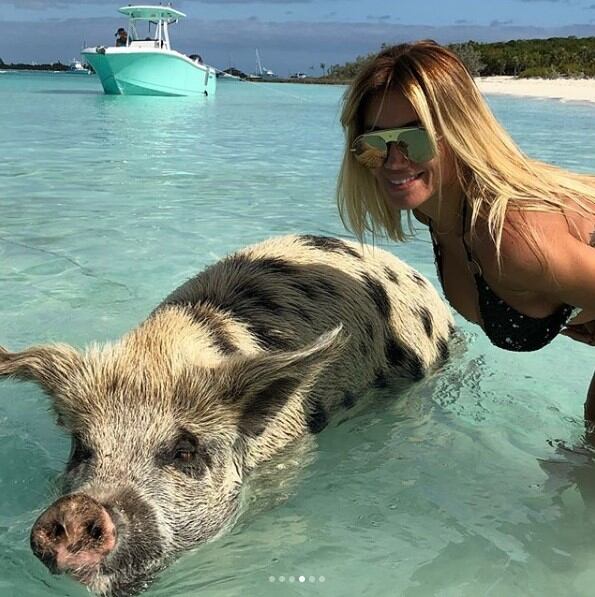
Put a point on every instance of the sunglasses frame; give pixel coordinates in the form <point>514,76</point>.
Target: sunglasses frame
<point>393,136</point>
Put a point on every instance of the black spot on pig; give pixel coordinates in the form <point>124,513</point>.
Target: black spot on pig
<point>348,400</point>
<point>428,323</point>
<point>306,288</point>
<point>327,243</point>
<point>216,327</point>
<point>378,294</point>
<point>303,314</point>
<point>443,350</point>
<point>235,284</point>
<point>264,405</point>
<point>317,418</point>
<point>363,347</point>
<point>260,297</point>
<point>391,275</point>
<point>417,278</point>
<point>268,337</point>
<point>316,289</point>
<point>249,290</point>
<point>403,359</point>
<point>380,381</point>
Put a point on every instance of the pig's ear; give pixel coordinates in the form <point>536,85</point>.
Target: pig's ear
<point>47,365</point>
<point>260,386</point>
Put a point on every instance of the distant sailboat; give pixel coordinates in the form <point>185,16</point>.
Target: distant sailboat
<point>262,72</point>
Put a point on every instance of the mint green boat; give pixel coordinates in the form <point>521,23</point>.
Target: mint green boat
<point>146,65</point>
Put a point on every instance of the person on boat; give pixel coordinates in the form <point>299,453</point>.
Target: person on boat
<point>513,237</point>
<point>121,37</point>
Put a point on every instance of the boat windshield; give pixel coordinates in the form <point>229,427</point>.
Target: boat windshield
<point>143,31</point>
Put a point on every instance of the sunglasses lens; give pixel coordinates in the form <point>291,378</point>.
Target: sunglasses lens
<point>415,145</point>
<point>370,151</point>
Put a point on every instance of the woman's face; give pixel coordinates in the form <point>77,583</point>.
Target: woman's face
<point>406,184</point>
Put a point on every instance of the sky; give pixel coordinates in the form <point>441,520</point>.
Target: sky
<point>290,35</point>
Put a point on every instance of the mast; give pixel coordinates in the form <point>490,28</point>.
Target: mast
<point>258,64</point>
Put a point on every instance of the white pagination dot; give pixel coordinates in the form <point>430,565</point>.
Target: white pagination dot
<point>300,578</point>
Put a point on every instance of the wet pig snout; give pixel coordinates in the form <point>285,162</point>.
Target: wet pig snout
<point>75,533</point>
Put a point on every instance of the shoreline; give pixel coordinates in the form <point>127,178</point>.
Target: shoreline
<point>565,90</point>
<point>561,89</point>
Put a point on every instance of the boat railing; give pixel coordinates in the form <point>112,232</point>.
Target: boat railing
<point>145,43</point>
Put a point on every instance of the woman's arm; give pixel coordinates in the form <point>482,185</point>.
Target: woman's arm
<point>565,271</point>
<point>582,332</point>
<point>562,267</point>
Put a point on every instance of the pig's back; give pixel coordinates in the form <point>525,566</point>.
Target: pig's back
<point>288,290</point>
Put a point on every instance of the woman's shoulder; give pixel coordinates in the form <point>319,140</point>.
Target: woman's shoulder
<point>544,230</point>
<point>527,240</point>
<point>531,243</point>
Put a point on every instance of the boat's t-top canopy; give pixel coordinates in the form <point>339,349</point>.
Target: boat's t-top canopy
<point>152,13</point>
<point>160,16</point>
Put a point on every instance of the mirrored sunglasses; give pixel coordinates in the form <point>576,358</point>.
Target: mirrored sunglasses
<point>371,149</point>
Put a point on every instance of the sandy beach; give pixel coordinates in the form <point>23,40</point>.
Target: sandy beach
<point>578,90</point>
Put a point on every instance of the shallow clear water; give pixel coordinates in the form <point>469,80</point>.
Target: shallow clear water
<point>462,486</point>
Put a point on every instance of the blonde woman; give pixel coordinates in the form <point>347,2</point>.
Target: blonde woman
<point>514,238</point>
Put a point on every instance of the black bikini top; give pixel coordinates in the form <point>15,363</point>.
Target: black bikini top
<point>505,326</point>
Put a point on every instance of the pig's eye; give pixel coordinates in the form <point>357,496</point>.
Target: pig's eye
<point>184,452</point>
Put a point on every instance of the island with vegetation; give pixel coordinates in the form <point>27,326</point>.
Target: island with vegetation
<point>551,58</point>
<point>54,66</point>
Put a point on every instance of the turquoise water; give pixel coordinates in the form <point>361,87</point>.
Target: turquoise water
<point>471,483</point>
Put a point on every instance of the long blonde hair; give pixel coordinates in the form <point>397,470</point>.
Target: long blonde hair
<point>492,171</point>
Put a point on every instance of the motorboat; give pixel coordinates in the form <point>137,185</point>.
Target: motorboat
<point>76,68</point>
<point>230,75</point>
<point>146,64</point>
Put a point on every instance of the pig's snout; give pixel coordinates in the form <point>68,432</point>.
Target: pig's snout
<point>74,534</point>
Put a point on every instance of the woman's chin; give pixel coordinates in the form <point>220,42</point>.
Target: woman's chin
<point>405,200</point>
<point>409,197</point>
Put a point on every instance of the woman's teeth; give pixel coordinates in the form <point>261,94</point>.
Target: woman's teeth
<point>403,181</point>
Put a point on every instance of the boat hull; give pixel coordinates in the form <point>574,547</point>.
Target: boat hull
<point>158,72</point>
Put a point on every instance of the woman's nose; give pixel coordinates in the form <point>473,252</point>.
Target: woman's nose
<point>396,156</point>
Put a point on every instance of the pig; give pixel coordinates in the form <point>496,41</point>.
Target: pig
<point>254,352</point>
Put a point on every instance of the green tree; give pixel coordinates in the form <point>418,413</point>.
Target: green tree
<point>470,56</point>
